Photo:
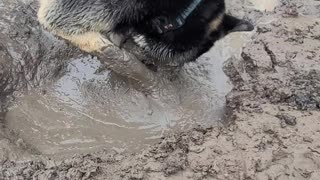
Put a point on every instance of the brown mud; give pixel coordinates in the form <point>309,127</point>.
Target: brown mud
<point>273,129</point>
<point>88,109</point>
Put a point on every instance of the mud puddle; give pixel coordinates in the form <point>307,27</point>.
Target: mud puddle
<point>263,5</point>
<point>85,111</point>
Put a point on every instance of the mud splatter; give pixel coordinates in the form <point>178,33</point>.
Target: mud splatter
<point>87,110</point>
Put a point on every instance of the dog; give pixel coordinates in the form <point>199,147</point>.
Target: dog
<point>166,31</point>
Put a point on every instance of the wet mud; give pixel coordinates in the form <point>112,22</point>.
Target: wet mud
<point>85,110</point>
<point>271,105</point>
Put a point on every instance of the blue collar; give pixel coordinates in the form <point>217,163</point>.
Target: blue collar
<point>175,23</point>
<point>184,15</point>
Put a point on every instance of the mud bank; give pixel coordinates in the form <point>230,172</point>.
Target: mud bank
<point>273,129</point>
<point>29,57</point>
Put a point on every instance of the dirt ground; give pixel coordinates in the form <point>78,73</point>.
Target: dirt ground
<point>272,128</point>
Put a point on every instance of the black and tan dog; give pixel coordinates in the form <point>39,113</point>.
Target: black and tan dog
<point>167,31</point>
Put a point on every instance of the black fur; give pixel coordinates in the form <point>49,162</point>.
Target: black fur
<point>187,43</point>
<point>130,19</point>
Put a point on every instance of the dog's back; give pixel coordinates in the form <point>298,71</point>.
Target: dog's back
<point>82,22</point>
<point>86,23</point>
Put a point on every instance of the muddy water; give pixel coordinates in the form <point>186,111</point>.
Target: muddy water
<point>86,111</point>
<point>263,5</point>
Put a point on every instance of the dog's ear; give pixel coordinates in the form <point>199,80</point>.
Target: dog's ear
<point>233,24</point>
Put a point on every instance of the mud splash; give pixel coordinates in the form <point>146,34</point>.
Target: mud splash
<point>86,111</point>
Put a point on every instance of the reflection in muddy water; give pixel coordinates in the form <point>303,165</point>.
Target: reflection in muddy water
<point>87,111</point>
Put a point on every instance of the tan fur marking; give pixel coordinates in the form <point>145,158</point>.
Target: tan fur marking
<point>44,7</point>
<point>214,24</point>
<point>89,42</point>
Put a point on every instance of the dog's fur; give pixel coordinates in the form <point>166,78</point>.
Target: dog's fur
<point>88,24</point>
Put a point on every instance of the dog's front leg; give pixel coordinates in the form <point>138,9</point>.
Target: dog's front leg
<point>126,64</point>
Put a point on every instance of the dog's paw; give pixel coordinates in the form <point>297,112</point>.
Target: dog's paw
<point>117,39</point>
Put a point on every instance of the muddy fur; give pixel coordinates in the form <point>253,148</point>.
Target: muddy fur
<point>93,25</point>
